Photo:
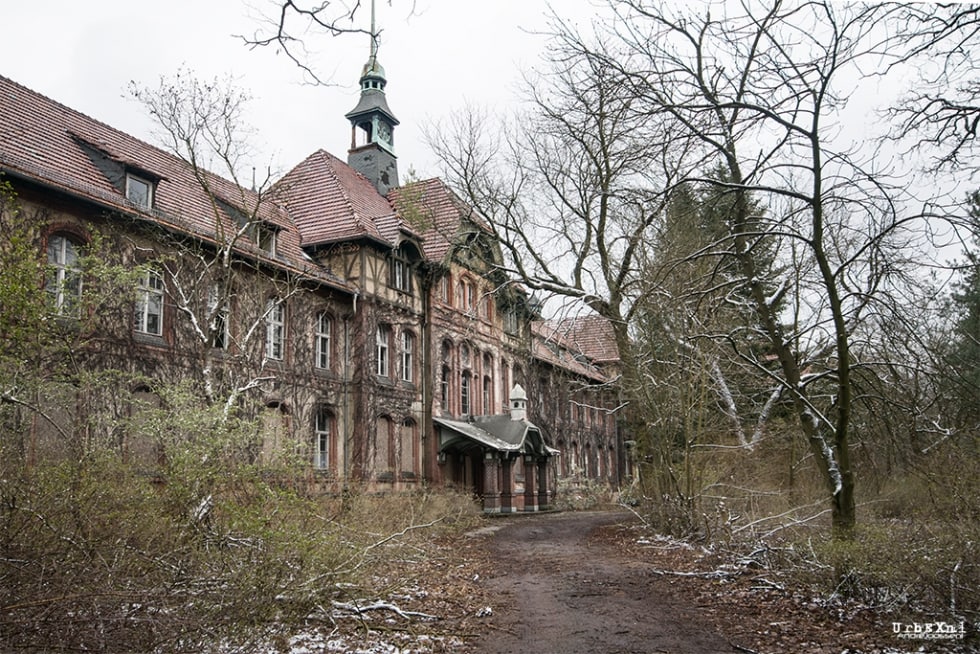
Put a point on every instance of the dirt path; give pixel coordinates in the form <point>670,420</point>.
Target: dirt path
<point>558,589</point>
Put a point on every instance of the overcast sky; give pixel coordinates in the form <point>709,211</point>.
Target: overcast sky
<point>83,53</point>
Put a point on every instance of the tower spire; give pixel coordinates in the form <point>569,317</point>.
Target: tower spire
<point>372,120</point>
<point>374,36</point>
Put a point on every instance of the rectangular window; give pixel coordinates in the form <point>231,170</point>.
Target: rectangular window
<point>148,317</point>
<point>64,280</point>
<point>401,275</point>
<point>511,324</point>
<point>323,431</point>
<point>444,383</point>
<point>218,318</point>
<point>139,191</point>
<point>487,407</point>
<point>408,345</point>
<point>265,238</point>
<point>464,394</point>
<point>381,352</point>
<point>275,328</point>
<point>324,328</point>
<point>444,290</point>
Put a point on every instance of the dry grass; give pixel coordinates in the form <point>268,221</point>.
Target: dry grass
<point>917,547</point>
<point>96,557</point>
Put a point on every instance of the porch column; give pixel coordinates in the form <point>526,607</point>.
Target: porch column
<point>543,491</point>
<point>491,493</point>
<point>506,484</point>
<point>530,493</point>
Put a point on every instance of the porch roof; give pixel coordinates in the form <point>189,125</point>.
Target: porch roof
<point>499,433</point>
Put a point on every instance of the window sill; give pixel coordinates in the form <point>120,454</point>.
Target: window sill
<point>149,339</point>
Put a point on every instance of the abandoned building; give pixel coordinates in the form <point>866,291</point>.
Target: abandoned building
<point>368,322</point>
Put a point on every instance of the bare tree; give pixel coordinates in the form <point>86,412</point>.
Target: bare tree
<point>292,22</point>
<point>573,188</point>
<point>940,113</point>
<point>660,96</point>
<point>216,255</point>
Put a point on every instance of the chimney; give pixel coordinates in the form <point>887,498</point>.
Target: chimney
<point>518,403</point>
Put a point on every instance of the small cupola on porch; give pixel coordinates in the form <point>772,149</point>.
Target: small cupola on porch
<point>503,458</point>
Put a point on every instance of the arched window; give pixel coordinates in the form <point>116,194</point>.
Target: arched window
<point>324,335</point>
<point>382,446</point>
<point>64,280</point>
<point>275,431</point>
<point>407,450</point>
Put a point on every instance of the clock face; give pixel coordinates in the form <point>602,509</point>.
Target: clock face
<point>384,132</point>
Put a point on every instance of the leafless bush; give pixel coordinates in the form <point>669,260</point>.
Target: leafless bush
<point>96,557</point>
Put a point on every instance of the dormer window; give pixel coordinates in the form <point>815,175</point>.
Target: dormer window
<point>401,273</point>
<point>265,238</point>
<point>139,191</point>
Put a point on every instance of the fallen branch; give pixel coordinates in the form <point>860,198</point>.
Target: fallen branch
<point>378,605</point>
<point>714,574</point>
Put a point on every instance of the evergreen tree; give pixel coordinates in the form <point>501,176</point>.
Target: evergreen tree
<point>964,355</point>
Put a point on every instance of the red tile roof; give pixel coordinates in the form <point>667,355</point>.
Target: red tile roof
<point>555,353</point>
<point>591,336</point>
<point>332,202</point>
<point>436,212</point>
<point>54,145</point>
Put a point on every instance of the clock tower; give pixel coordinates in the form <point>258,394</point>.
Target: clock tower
<point>372,149</point>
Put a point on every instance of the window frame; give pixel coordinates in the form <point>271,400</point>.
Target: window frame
<point>444,386</point>
<point>406,356</point>
<point>445,290</point>
<point>143,201</point>
<point>322,438</point>
<point>400,277</point>
<point>382,351</point>
<point>67,284</point>
<point>324,341</point>
<point>266,238</point>
<point>487,394</point>
<point>220,334</point>
<point>465,401</point>
<point>151,286</point>
<point>275,329</point>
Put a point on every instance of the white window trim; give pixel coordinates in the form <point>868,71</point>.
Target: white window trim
<point>322,430</point>
<point>150,293</point>
<point>266,238</point>
<point>67,301</point>
<point>130,178</point>
<point>381,351</point>
<point>275,330</point>
<point>324,334</point>
<point>408,345</point>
